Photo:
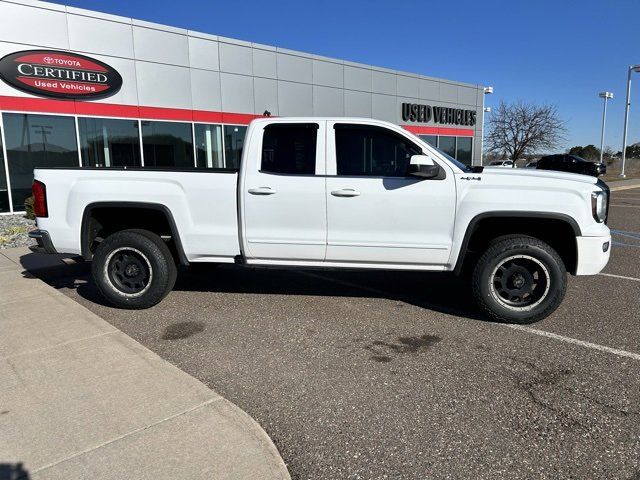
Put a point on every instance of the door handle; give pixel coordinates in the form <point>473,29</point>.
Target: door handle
<point>345,192</point>
<point>262,191</point>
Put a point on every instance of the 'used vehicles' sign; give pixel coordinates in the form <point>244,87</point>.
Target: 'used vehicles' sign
<point>56,74</point>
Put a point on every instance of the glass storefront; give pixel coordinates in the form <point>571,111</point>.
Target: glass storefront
<point>167,144</point>
<point>4,191</point>
<point>464,149</point>
<point>460,148</point>
<point>430,139</point>
<point>448,145</point>
<point>36,141</point>
<point>106,142</point>
<point>233,142</point>
<point>208,146</point>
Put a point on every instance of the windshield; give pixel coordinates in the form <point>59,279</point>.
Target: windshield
<point>457,163</point>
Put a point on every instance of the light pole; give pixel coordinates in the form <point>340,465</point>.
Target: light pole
<point>487,91</point>
<point>606,96</point>
<point>632,68</point>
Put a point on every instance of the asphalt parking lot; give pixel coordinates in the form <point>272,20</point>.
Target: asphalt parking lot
<point>395,375</point>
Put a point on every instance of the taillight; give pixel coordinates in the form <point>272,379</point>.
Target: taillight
<point>39,191</point>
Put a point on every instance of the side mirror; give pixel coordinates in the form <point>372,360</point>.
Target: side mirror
<point>423,166</point>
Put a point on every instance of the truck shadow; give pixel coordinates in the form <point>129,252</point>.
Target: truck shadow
<point>444,293</point>
<point>13,471</point>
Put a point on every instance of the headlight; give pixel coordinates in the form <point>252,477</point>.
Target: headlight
<point>599,206</point>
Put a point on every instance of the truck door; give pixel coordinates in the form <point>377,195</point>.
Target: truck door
<point>284,204</point>
<point>376,213</point>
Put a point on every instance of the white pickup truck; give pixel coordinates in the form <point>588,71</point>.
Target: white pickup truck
<point>332,193</point>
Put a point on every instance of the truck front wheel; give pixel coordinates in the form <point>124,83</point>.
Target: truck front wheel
<point>133,269</point>
<point>519,279</point>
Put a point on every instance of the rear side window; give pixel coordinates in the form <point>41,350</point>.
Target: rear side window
<point>364,150</point>
<point>289,148</point>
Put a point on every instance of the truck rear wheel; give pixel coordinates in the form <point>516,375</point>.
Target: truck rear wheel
<point>519,279</point>
<point>133,269</point>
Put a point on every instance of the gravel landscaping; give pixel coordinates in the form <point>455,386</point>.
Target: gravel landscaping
<point>13,231</point>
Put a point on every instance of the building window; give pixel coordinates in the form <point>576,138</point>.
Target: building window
<point>37,141</point>
<point>430,139</point>
<point>448,145</point>
<point>463,149</point>
<point>209,146</point>
<point>167,144</point>
<point>109,143</point>
<point>233,143</point>
<point>289,148</point>
<point>4,191</point>
<point>372,151</point>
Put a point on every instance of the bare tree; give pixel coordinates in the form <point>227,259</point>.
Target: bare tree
<point>521,128</point>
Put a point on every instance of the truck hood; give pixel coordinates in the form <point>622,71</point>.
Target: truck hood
<point>530,173</point>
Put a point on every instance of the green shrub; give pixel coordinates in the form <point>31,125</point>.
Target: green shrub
<point>28,206</point>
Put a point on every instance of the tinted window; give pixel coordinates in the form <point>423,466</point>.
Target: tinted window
<point>4,193</point>
<point>209,146</point>
<point>372,151</point>
<point>37,141</point>
<point>109,143</point>
<point>463,149</point>
<point>233,143</point>
<point>167,144</point>
<point>448,145</point>
<point>289,148</point>
<point>548,161</point>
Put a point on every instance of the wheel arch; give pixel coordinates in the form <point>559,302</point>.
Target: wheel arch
<point>524,219</point>
<point>90,227</point>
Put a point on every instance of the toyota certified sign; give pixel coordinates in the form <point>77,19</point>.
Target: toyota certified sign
<point>58,74</point>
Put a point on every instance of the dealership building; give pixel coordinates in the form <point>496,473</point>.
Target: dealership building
<point>82,88</point>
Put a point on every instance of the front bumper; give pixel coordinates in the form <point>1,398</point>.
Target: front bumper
<point>44,242</point>
<point>593,254</point>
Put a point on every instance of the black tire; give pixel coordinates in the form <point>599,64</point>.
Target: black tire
<point>133,269</point>
<point>519,279</point>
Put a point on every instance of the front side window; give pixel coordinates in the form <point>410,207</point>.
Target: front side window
<point>209,146</point>
<point>233,143</point>
<point>289,148</point>
<point>167,144</point>
<point>106,142</point>
<point>366,150</point>
<point>36,141</point>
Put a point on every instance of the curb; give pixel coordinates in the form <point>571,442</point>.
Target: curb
<point>624,187</point>
<point>84,400</point>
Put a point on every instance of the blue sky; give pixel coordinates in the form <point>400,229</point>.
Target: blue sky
<point>561,52</point>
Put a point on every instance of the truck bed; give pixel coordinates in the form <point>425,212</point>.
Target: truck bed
<point>202,203</point>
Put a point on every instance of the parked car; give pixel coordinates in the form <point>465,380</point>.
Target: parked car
<point>572,164</point>
<point>501,164</point>
<point>333,193</point>
<point>532,164</point>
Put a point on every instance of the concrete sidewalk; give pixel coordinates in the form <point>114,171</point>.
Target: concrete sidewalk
<point>80,399</point>
<point>618,185</point>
